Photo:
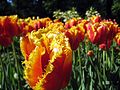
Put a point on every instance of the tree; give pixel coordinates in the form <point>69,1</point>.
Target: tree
<point>5,8</point>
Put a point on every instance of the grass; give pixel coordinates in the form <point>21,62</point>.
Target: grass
<point>100,71</point>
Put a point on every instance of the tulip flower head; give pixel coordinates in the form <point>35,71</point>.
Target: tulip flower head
<point>8,29</point>
<point>48,63</point>
<point>102,33</point>
<point>117,37</point>
<point>95,19</point>
<point>76,34</point>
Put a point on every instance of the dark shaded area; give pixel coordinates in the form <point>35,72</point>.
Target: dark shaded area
<point>109,4</point>
<point>45,8</point>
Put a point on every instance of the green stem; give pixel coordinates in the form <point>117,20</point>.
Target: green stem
<point>74,80</point>
<point>14,54</point>
<point>16,63</point>
<point>108,60</point>
<point>112,59</point>
<point>80,67</point>
<point>98,68</point>
<point>83,81</point>
<point>104,62</point>
<point>3,64</point>
<point>91,77</point>
<point>7,69</point>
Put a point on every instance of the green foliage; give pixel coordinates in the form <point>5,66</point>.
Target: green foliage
<point>116,10</point>
<point>64,16</point>
<point>11,70</point>
<point>100,71</point>
<point>92,11</point>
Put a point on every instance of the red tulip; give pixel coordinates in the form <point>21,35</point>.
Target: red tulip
<point>48,61</point>
<point>97,33</point>
<point>76,34</point>
<point>95,19</point>
<point>8,29</point>
<point>105,45</point>
<point>10,26</point>
<point>117,38</point>
<point>5,41</point>
<point>102,33</point>
<point>70,23</point>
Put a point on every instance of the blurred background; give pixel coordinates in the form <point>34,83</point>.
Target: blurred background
<point>45,8</point>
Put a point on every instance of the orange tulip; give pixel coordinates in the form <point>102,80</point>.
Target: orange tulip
<point>117,38</point>
<point>70,23</point>
<point>28,24</point>
<point>76,34</point>
<point>96,33</point>
<point>45,22</point>
<point>112,28</point>
<point>95,19</point>
<point>48,61</point>
<point>8,29</point>
<point>102,33</point>
<point>9,24</point>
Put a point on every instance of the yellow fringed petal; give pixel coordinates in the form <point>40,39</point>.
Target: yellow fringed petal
<point>50,60</point>
<point>26,46</point>
<point>33,67</point>
<point>59,45</point>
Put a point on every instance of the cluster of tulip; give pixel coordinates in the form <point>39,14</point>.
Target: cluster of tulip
<point>28,24</point>
<point>47,45</point>
<point>101,32</point>
<point>11,26</point>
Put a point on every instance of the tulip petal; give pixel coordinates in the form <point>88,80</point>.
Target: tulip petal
<point>33,67</point>
<point>26,47</point>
